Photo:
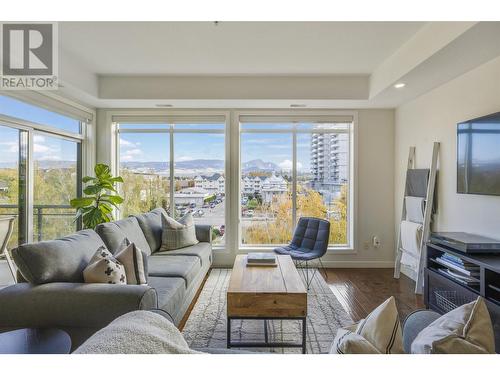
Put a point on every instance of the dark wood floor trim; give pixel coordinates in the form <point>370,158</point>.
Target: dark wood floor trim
<point>184,319</point>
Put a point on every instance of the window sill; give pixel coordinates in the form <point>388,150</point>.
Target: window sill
<point>266,249</point>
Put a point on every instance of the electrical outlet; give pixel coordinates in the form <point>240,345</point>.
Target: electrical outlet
<point>376,242</point>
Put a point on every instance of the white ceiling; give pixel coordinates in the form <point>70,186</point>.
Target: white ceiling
<point>233,47</point>
<point>266,64</point>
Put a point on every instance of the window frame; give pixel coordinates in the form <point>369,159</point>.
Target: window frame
<point>294,117</point>
<point>170,119</point>
<point>83,140</point>
<point>108,152</point>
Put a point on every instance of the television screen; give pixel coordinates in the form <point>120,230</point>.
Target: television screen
<point>478,156</point>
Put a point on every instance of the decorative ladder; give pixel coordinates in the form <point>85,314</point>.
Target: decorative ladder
<point>426,224</point>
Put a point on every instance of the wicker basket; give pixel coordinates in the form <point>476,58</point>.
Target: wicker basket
<point>448,300</point>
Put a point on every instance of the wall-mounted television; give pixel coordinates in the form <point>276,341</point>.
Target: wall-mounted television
<point>478,155</point>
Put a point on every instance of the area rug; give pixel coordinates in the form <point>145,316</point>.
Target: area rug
<point>206,326</point>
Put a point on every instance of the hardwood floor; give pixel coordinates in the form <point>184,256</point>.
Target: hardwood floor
<point>361,290</point>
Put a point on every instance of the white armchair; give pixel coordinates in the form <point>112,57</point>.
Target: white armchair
<point>6,228</point>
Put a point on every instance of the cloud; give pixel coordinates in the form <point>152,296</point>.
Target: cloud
<point>288,164</point>
<point>39,138</point>
<point>134,151</point>
<point>184,158</point>
<point>272,142</point>
<point>49,157</point>
<point>39,148</point>
<point>128,144</point>
<point>11,147</point>
<point>130,154</point>
<point>126,157</point>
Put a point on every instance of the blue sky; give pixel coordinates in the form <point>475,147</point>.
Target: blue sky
<point>16,108</point>
<point>276,148</point>
<point>44,147</point>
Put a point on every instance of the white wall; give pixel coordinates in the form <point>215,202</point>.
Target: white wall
<point>433,117</point>
<point>375,189</point>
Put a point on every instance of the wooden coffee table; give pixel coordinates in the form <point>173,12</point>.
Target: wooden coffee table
<point>266,293</point>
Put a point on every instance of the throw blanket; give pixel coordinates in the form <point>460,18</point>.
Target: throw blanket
<point>137,332</point>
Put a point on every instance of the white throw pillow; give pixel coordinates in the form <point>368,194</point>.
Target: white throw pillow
<point>349,342</point>
<point>104,268</point>
<point>464,330</point>
<point>177,234</point>
<point>379,333</point>
<point>135,262</point>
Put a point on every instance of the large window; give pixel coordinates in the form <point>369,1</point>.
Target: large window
<point>179,166</point>
<point>10,172</point>
<point>293,169</point>
<point>40,170</point>
<point>56,175</point>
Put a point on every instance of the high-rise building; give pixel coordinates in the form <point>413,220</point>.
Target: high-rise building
<point>329,163</point>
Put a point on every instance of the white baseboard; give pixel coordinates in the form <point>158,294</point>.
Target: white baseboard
<point>358,264</point>
<point>333,264</point>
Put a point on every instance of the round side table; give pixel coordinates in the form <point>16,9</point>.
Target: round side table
<point>35,341</point>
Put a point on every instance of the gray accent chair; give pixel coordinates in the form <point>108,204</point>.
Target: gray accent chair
<point>309,242</point>
<point>51,291</point>
<point>414,323</point>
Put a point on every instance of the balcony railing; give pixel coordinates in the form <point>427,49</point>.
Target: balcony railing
<point>47,223</point>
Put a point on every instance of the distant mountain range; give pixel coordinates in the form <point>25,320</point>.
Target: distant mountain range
<point>200,166</point>
<point>186,167</point>
<point>260,165</point>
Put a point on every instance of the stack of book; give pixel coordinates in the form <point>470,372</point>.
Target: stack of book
<point>261,259</point>
<point>458,269</point>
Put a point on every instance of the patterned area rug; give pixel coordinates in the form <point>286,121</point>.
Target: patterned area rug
<point>206,326</point>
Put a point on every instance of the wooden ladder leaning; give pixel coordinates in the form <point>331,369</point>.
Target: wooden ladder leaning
<point>427,218</point>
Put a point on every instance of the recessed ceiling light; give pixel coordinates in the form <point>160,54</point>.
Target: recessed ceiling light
<point>399,85</point>
<point>164,105</point>
<point>298,105</point>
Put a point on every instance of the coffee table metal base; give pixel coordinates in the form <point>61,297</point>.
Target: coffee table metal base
<point>266,343</point>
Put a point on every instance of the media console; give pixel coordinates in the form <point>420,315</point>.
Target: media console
<point>443,292</point>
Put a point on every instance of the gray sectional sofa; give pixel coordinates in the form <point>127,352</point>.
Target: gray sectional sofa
<point>52,292</point>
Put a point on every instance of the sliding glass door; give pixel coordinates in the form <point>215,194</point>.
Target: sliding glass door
<point>13,178</point>
<point>40,170</point>
<point>56,182</point>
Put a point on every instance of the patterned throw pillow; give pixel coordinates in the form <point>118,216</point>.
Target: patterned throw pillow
<point>135,262</point>
<point>104,268</point>
<point>177,234</point>
<point>379,332</point>
<point>464,330</point>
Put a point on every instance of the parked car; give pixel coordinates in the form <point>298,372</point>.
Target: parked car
<point>200,213</point>
<point>206,205</point>
<point>212,205</point>
<point>222,230</point>
<point>192,205</point>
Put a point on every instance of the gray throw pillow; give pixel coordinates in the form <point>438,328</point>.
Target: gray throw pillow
<point>135,262</point>
<point>177,234</point>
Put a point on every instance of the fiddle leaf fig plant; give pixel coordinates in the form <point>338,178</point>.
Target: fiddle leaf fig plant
<point>96,206</point>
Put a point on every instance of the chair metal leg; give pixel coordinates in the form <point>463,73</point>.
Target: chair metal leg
<point>323,268</point>
<point>307,276</point>
<point>303,266</point>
